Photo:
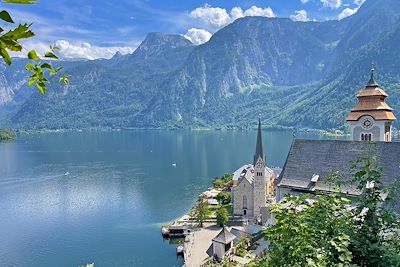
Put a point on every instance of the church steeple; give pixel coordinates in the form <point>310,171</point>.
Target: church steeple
<point>372,82</point>
<point>259,146</point>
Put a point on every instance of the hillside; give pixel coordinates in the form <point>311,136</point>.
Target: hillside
<point>297,74</point>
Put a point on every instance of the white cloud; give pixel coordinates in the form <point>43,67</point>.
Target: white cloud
<point>88,51</point>
<point>214,16</point>
<point>258,11</point>
<point>236,13</point>
<point>300,15</point>
<point>334,4</point>
<point>304,1</point>
<point>76,50</point>
<point>197,36</point>
<point>359,2</point>
<point>347,12</point>
<point>219,17</point>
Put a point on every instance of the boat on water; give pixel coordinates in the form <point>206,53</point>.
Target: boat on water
<point>179,250</point>
<point>175,231</point>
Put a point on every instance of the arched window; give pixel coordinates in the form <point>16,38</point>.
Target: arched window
<point>366,137</point>
<point>244,202</point>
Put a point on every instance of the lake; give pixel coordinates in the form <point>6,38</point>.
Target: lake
<point>68,199</point>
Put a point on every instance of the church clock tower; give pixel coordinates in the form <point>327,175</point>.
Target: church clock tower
<point>371,119</point>
<point>259,174</point>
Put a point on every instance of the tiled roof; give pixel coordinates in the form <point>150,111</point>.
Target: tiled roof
<point>324,157</point>
<point>224,237</point>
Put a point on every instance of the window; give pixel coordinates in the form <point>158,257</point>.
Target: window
<point>366,136</point>
<point>244,202</point>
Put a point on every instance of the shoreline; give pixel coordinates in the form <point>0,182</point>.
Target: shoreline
<point>323,132</point>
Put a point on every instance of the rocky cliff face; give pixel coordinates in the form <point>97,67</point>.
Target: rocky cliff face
<point>298,74</point>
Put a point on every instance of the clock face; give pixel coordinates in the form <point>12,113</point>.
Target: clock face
<point>259,165</point>
<point>367,123</point>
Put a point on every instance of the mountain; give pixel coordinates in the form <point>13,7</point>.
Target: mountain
<point>297,74</point>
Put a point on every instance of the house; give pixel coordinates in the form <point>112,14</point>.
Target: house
<point>223,243</point>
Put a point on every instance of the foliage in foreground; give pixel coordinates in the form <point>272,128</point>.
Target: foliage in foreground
<point>10,42</point>
<point>326,231</point>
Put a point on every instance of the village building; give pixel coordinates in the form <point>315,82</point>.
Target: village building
<point>371,119</point>
<point>253,183</point>
<point>223,244</point>
<point>310,163</point>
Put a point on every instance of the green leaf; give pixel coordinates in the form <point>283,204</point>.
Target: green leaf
<point>11,44</point>
<point>54,48</point>
<point>47,66</point>
<point>58,69</point>
<point>31,81</point>
<point>51,55</point>
<point>21,32</point>
<point>33,55</point>
<point>29,67</point>
<point>65,79</point>
<point>4,54</point>
<point>42,87</point>
<point>20,1</point>
<point>4,15</point>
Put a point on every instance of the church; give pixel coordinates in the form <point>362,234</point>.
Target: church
<point>310,162</point>
<point>253,183</point>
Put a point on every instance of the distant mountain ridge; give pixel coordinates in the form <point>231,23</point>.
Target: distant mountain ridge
<point>297,74</point>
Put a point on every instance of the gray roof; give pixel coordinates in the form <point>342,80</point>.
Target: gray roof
<point>224,237</point>
<point>323,157</point>
<point>247,172</point>
<point>259,146</point>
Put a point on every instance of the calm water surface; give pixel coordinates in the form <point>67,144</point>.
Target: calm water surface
<point>67,199</point>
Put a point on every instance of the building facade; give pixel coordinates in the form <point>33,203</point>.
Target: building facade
<point>371,119</point>
<point>252,183</point>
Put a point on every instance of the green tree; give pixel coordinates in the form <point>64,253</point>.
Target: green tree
<point>202,210</point>
<point>325,230</point>
<point>222,216</point>
<point>310,232</point>
<point>224,198</point>
<point>39,69</point>
<point>375,240</point>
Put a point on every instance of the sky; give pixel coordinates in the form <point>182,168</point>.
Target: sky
<point>94,29</point>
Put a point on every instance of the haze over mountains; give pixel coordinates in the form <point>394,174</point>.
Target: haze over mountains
<point>297,74</point>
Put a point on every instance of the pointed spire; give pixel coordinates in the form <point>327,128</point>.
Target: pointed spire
<point>259,146</point>
<point>372,82</point>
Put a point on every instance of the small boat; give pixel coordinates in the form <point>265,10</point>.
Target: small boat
<point>173,164</point>
<point>179,250</point>
<point>66,174</point>
<point>164,231</point>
